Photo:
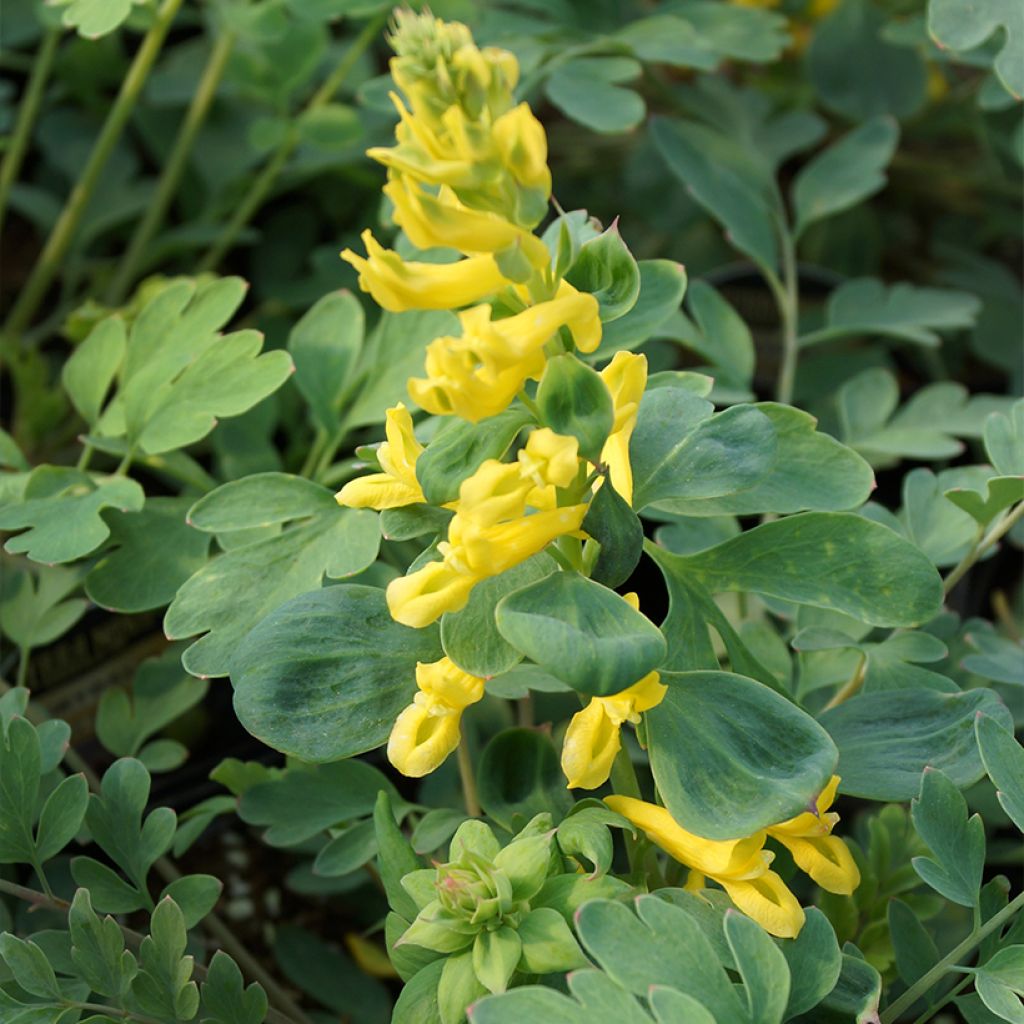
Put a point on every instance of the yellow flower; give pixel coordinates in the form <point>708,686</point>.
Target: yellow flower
<point>397,285</point>
<point>548,461</point>
<point>397,485</point>
<point>592,739</point>
<point>823,856</point>
<point>740,866</point>
<point>427,731</point>
<point>479,373</point>
<point>625,377</point>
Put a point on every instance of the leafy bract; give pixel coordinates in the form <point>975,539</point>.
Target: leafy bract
<point>958,27</point>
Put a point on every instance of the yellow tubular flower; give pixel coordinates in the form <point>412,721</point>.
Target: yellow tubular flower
<point>427,731</point>
<point>398,286</point>
<point>397,485</point>
<point>740,866</point>
<point>823,856</point>
<point>625,377</point>
<point>592,739</point>
<point>548,461</point>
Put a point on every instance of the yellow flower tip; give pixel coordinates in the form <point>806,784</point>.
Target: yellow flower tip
<point>590,746</point>
<point>424,596</point>
<point>420,742</point>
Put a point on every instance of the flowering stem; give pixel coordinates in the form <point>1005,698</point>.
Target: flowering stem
<point>788,300</point>
<point>469,794</point>
<point>625,783</point>
<point>52,257</point>
<point>949,962</point>
<point>171,177</point>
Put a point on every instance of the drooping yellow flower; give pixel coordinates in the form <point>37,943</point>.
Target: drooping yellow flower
<point>398,285</point>
<point>823,856</point>
<point>625,377</point>
<point>740,866</point>
<point>493,529</point>
<point>427,731</point>
<point>397,485</point>
<point>479,373</point>
<point>592,740</point>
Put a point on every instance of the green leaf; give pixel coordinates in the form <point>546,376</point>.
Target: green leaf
<point>613,524</point>
<point>226,999</point>
<point>347,852</point>
<point>1004,440</point>
<point>194,895</point>
<point>811,471</point>
<point>856,995</point>
<point>913,946</point>
<point>1003,758</point>
<point>417,1003</point>
<point>723,773</point>
<point>261,499</point>
<point>596,999</point>
<point>814,962</point>
<point>95,18</point>
<point>677,451</point>
<point>957,842</point>
<point>519,776</point>
<point>20,767</point>
<point>846,173</point>
<point>581,633</point>
<point>956,27</point>
<point>325,675</point>
<point>865,306</point>
<point>459,448</point>
<point>735,203</point>
<point>859,568</point>
<point>152,553</point>
<point>109,892</point>
<point>495,956</point>
<point>91,368</point>
<point>470,637</point>
<point>587,90</point>
<point>30,967</point>
<point>61,816</point>
<point>668,39</point>
<point>65,523</point>
<point>162,986</point>
<point>607,270</point>
<point>717,332</point>
<point>1000,983</point>
<point>98,949</point>
<point>850,40</point>
<point>983,506</point>
<point>574,401</point>
<point>761,966</point>
<point>237,590</point>
<point>548,945</point>
<point>887,739</point>
<point>33,609</point>
<point>396,858</point>
<point>743,33</point>
<point>330,127</point>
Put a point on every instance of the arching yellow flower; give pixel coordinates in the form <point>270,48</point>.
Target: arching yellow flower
<point>823,856</point>
<point>625,377</point>
<point>592,740</point>
<point>397,485</point>
<point>397,285</point>
<point>740,866</point>
<point>479,373</point>
<point>427,731</point>
<point>548,461</point>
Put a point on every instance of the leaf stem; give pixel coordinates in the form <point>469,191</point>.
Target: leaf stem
<point>788,301</point>
<point>261,186</point>
<point>950,995</point>
<point>23,657</point>
<point>52,257</point>
<point>174,168</point>
<point>996,533</point>
<point>27,113</point>
<point>851,686</point>
<point>948,962</point>
<point>469,792</point>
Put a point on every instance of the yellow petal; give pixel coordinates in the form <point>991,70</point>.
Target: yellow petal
<point>493,550</point>
<point>827,859</point>
<point>446,686</point>
<point>550,458</point>
<point>808,824</point>
<point>591,743</point>
<point>425,595</point>
<point>767,900</point>
<point>397,485</point>
<point>625,377</point>
<point>524,148</point>
<point>379,491</point>
<point>420,742</point>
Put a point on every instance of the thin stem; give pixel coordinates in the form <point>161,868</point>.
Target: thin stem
<point>851,687</point>
<point>625,783</point>
<point>125,464</point>
<point>27,112</point>
<point>948,962</point>
<point>788,314</point>
<point>469,793</point>
<point>261,186</point>
<point>948,997</point>
<point>86,457</point>
<point>174,168</point>
<point>111,1011</point>
<point>996,533</point>
<point>23,657</point>
<point>52,257</point>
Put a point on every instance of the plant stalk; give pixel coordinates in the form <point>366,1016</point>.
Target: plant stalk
<point>27,113</point>
<point>174,168</point>
<point>52,256</point>
<point>469,792</point>
<point>995,533</point>
<point>788,313</point>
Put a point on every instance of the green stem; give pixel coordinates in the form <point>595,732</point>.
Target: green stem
<point>949,996</point>
<point>851,687</point>
<point>174,168</point>
<point>948,962</point>
<point>27,112</point>
<point>996,533</point>
<point>261,186</point>
<point>52,257</point>
<point>23,656</point>
<point>625,783</point>
<point>788,306</point>
<point>469,793</point>
<point>110,1011</point>
<point>85,458</point>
